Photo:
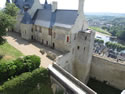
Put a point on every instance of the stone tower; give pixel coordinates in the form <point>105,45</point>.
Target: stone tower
<point>80,7</point>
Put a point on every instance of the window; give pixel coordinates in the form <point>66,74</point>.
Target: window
<point>86,38</point>
<point>67,38</point>
<point>32,29</point>
<point>40,29</point>
<point>78,47</point>
<point>42,41</point>
<point>25,31</point>
<point>84,48</point>
<point>75,37</point>
<point>54,35</point>
<point>50,31</point>
<point>72,50</point>
<point>46,42</point>
<point>35,27</point>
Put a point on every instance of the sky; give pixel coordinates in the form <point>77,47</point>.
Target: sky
<point>112,6</point>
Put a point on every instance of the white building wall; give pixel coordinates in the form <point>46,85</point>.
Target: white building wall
<point>60,39</point>
<point>108,71</point>
<point>26,31</point>
<point>42,35</point>
<point>78,60</point>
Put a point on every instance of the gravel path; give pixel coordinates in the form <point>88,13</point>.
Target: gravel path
<point>27,48</point>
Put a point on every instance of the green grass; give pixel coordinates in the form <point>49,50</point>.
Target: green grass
<point>8,53</point>
<point>97,29</point>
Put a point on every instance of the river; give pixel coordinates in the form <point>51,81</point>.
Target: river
<point>107,38</point>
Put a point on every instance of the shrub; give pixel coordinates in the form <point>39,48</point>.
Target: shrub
<point>51,55</point>
<point>42,51</point>
<point>18,66</point>
<point>114,46</point>
<point>99,41</point>
<point>27,82</point>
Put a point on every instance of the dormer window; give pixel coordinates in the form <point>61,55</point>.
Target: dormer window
<point>26,7</point>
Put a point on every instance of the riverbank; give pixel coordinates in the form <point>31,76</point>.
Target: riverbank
<point>97,29</point>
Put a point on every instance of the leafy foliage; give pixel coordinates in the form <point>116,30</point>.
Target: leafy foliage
<point>11,10</point>
<point>114,46</point>
<point>10,69</point>
<point>118,28</point>
<point>7,19</point>
<point>99,41</point>
<point>35,82</point>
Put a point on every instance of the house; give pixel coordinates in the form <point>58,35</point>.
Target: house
<point>49,25</point>
<point>62,30</point>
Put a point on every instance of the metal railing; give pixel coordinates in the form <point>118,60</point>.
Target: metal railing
<point>68,81</point>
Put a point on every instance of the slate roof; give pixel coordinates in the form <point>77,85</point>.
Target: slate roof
<point>43,17</point>
<point>19,3</point>
<point>46,18</point>
<point>27,19</point>
<point>65,18</point>
<point>61,18</point>
<point>29,3</point>
<point>8,1</point>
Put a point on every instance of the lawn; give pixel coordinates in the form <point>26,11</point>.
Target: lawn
<point>8,53</point>
<point>97,29</point>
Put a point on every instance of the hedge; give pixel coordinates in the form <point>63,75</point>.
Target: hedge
<point>9,70</point>
<point>114,46</point>
<point>99,41</point>
<point>35,82</point>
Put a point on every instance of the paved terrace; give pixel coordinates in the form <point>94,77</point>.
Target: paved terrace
<point>30,48</point>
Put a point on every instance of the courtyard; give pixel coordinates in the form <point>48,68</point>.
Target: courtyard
<point>30,47</point>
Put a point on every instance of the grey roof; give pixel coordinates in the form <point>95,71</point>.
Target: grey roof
<point>46,5</point>
<point>8,1</point>
<point>65,18</point>
<point>19,3</point>
<point>42,17</point>
<point>61,18</point>
<point>29,3</point>
<point>27,19</point>
<point>45,17</point>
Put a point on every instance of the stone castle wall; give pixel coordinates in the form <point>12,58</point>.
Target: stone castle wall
<point>105,70</point>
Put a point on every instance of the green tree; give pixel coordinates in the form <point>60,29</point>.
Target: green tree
<point>7,19</point>
<point>121,35</point>
<point>11,9</point>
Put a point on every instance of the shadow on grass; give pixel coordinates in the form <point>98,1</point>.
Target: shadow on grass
<point>1,57</point>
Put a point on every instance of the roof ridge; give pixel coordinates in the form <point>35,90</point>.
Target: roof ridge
<point>67,9</point>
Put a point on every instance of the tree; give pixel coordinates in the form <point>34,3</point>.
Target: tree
<point>121,35</point>
<point>7,19</point>
<point>11,9</point>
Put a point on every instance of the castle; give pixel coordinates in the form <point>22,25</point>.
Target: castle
<point>63,30</point>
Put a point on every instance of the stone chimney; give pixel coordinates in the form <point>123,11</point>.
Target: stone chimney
<point>54,6</point>
<point>81,5</point>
